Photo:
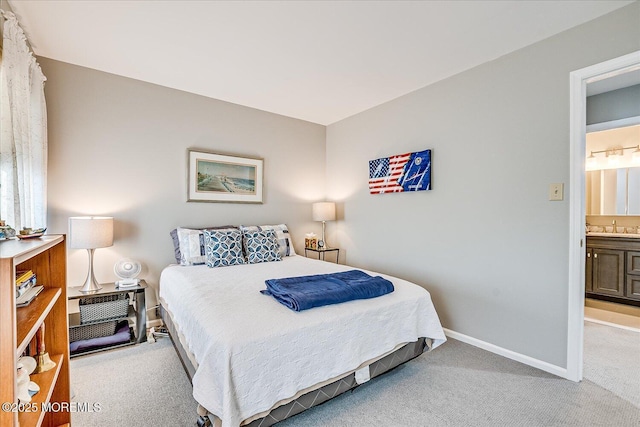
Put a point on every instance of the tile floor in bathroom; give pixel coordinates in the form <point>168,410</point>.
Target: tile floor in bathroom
<point>625,316</point>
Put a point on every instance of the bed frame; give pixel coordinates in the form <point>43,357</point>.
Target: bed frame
<point>310,399</point>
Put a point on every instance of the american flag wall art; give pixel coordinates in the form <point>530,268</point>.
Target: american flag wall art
<point>400,173</point>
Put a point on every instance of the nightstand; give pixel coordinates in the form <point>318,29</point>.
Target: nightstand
<point>110,290</point>
<point>322,251</point>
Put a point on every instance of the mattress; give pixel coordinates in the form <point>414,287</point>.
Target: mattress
<point>251,352</point>
<point>308,398</point>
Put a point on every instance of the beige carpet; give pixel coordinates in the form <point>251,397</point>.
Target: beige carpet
<point>141,385</point>
<point>455,385</point>
<point>612,360</point>
<point>465,386</point>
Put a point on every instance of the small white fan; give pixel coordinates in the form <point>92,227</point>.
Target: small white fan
<point>127,270</point>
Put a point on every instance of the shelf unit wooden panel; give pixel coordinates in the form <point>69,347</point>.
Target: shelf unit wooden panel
<point>24,250</point>
<point>47,379</point>
<point>46,256</point>
<point>29,318</point>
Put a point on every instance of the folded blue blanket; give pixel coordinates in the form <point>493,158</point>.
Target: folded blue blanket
<point>305,292</point>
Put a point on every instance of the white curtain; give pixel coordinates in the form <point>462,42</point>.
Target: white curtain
<point>23,132</point>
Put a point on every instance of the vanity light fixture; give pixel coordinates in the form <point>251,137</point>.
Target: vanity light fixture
<point>614,156</point>
<point>635,156</point>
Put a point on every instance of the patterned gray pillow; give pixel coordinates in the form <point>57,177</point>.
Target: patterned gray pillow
<point>223,247</point>
<point>282,234</point>
<point>261,246</point>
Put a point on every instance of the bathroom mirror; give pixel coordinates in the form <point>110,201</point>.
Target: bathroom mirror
<point>613,191</point>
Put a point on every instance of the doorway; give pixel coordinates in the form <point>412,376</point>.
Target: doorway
<point>579,80</point>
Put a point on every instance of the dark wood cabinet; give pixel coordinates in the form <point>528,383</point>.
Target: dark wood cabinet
<point>588,277</point>
<point>608,272</point>
<point>633,262</point>
<point>613,268</point>
<point>632,289</point>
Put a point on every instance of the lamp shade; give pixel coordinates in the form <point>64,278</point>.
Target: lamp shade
<point>324,211</point>
<point>90,232</point>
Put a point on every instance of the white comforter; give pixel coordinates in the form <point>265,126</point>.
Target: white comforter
<point>253,352</point>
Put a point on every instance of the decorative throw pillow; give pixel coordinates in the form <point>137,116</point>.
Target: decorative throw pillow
<point>176,244</point>
<point>188,244</point>
<point>282,234</point>
<point>223,247</point>
<point>191,246</point>
<point>261,246</point>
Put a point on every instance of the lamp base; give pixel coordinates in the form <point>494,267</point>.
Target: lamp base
<point>93,287</point>
<point>90,284</point>
<point>324,242</point>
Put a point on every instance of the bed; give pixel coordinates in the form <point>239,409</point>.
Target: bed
<point>252,361</point>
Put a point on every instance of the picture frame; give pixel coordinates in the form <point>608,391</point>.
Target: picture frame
<point>408,172</point>
<point>222,178</point>
<point>311,243</point>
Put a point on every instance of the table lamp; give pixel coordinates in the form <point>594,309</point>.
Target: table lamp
<point>324,211</point>
<point>90,233</point>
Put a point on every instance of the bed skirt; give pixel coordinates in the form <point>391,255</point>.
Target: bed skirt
<point>316,396</point>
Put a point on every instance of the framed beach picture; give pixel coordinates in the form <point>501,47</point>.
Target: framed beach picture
<point>223,178</point>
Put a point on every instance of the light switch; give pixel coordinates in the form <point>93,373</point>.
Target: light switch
<point>556,191</point>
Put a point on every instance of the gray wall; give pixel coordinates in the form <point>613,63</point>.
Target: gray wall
<point>615,105</point>
<point>118,147</point>
<point>486,241</point>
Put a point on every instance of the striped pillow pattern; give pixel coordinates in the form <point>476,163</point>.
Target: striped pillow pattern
<point>188,244</point>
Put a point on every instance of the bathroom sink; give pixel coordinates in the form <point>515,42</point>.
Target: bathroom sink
<point>627,235</point>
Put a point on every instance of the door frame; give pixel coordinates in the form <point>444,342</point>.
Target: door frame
<point>578,81</point>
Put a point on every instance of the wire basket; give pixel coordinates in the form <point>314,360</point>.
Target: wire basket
<point>97,330</point>
<point>96,309</point>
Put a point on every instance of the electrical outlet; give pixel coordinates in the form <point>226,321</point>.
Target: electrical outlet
<point>556,191</point>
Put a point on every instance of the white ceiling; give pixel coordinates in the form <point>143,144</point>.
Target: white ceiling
<point>320,61</point>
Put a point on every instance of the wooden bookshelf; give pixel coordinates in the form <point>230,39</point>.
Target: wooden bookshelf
<point>29,318</point>
<point>47,380</point>
<point>46,256</point>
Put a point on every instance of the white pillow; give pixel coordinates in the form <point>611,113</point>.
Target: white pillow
<point>192,249</point>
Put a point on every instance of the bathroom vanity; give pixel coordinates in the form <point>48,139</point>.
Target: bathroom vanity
<point>613,267</point>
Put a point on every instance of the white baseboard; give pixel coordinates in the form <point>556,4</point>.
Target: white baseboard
<point>613,325</point>
<point>539,364</point>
